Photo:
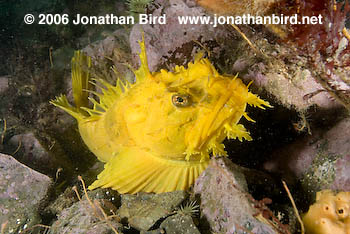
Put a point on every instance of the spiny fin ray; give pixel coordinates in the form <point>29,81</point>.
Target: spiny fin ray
<point>80,78</point>
<point>143,71</point>
<point>82,83</point>
<point>237,131</point>
<point>126,173</point>
<point>62,102</point>
<point>255,101</point>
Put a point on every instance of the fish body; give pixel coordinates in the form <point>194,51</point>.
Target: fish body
<point>157,134</point>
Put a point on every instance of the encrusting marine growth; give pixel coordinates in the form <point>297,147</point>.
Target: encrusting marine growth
<point>157,134</point>
<point>329,214</point>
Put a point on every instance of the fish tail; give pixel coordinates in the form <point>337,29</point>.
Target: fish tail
<point>80,85</point>
<point>135,170</point>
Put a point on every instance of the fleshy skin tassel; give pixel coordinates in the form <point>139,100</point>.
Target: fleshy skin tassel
<point>157,135</point>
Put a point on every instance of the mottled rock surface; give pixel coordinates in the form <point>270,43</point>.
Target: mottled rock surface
<point>320,161</point>
<point>114,48</point>
<point>143,210</point>
<point>4,84</point>
<point>21,192</point>
<point>179,223</point>
<point>225,203</point>
<point>292,84</point>
<point>82,218</point>
<point>64,200</point>
<point>43,153</point>
<point>32,152</point>
<point>173,42</point>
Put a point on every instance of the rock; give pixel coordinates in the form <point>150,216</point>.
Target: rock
<point>44,153</point>
<point>69,197</point>
<point>106,48</point>
<point>286,75</point>
<point>4,84</point>
<point>179,224</point>
<point>21,192</point>
<point>143,210</point>
<point>62,58</point>
<point>297,89</point>
<point>113,50</point>
<point>31,151</point>
<point>157,231</point>
<point>174,43</point>
<point>225,203</point>
<point>320,161</point>
<point>81,218</point>
<point>106,194</point>
<point>64,200</point>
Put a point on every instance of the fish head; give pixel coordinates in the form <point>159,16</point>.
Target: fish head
<point>185,113</point>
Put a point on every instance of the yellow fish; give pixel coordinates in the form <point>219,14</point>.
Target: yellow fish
<point>157,134</point>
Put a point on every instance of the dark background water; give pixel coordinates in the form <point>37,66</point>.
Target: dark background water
<point>31,43</point>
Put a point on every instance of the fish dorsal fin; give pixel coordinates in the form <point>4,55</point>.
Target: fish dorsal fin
<point>82,85</point>
<point>109,93</point>
<point>143,71</point>
<point>80,78</point>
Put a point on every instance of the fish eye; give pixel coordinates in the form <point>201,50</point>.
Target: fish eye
<point>181,100</point>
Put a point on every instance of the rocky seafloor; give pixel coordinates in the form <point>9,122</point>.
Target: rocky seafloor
<point>303,140</point>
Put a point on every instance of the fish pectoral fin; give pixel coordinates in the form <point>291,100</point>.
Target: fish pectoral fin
<point>135,170</point>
